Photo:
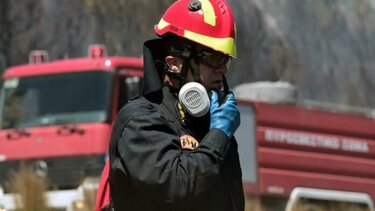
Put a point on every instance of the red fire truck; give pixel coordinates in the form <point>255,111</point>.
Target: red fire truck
<point>304,151</point>
<point>57,116</point>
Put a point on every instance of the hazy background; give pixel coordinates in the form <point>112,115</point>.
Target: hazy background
<point>325,47</point>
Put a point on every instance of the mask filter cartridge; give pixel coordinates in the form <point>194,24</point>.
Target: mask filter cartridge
<point>194,98</point>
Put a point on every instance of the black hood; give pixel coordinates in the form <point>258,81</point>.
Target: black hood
<point>154,52</point>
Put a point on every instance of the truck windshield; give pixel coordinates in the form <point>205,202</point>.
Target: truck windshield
<point>55,99</point>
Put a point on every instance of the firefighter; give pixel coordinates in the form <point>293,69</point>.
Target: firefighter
<point>173,148</point>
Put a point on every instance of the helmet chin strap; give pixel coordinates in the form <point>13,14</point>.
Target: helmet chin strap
<point>225,85</point>
<point>196,72</point>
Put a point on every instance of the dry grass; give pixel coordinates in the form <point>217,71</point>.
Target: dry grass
<point>253,203</point>
<point>89,201</point>
<point>30,188</point>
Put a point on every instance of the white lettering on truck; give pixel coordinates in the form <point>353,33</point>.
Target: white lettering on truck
<point>312,140</point>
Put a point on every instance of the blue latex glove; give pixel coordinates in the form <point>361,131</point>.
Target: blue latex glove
<point>226,116</point>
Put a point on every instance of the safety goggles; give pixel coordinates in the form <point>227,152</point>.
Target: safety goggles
<point>213,59</point>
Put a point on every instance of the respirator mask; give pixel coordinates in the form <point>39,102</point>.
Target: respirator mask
<point>195,99</point>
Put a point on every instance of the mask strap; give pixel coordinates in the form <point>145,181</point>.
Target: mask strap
<point>225,85</point>
<point>194,66</point>
<point>184,71</point>
<point>195,69</point>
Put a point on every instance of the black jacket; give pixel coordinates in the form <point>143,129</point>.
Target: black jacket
<point>151,170</point>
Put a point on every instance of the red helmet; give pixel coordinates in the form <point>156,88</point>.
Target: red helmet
<point>207,22</point>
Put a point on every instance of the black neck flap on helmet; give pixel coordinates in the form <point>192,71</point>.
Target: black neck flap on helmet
<point>154,52</point>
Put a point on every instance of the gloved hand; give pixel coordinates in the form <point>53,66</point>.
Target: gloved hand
<point>226,116</point>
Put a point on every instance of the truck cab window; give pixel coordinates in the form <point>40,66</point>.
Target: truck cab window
<point>130,87</point>
<point>55,99</point>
